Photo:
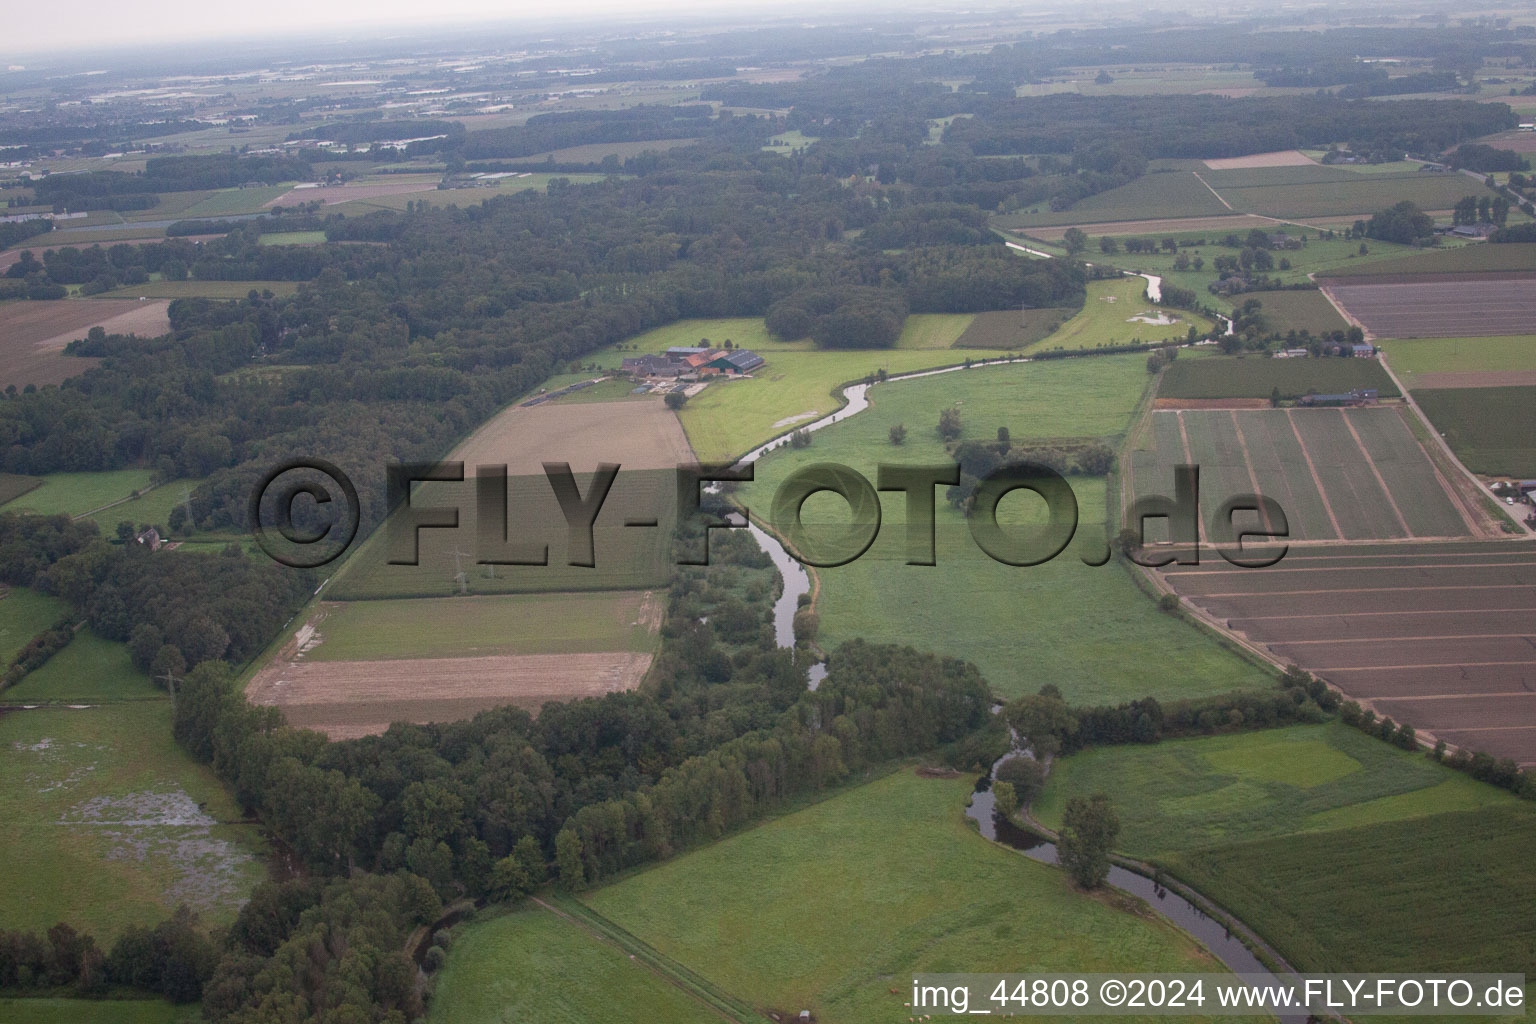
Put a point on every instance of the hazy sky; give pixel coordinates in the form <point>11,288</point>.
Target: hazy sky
<point>95,24</point>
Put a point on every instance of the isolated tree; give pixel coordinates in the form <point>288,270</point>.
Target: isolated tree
<point>800,439</point>
<point>899,434</point>
<point>1089,829</point>
<point>1004,798</point>
<point>949,424</point>
<point>1075,239</point>
<point>1004,439</point>
<point>675,400</point>
<point>1025,774</point>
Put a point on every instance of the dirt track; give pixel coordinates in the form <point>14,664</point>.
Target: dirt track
<point>1442,636</point>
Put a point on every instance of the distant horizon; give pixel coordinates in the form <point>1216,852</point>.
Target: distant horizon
<point>171,22</point>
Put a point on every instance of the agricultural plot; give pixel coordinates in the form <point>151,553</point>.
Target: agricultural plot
<point>97,1011</point>
<point>1282,158</point>
<point>643,438</point>
<point>533,964</point>
<point>333,195</point>
<point>1487,427</point>
<point>1256,377</point>
<point>1152,196</point>
<point>90,669</point>
<point>232,202</point>
<point>1274,826</point>
<point>1186,794</point>
<point>1449,307</point>
<point>33,335</point>
<point>1241,223</point>
<point>75,494</point>
<point>1331,195</point>
<point>109,823</point>
<point>1012,331</point>
<point>868,887</point>
<point>1430,634</point>
<point>1338,474</point>
<point>1298,311</point>
<point>1464,259</point>
<point>203,289</point>
<point>1118,313</point>
<point>14,485</point>
<point>25,613</point>
<point>1062,622</point>
<point>1433,363</point>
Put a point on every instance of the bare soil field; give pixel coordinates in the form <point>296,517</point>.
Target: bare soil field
<point>1477,379</point>
<point>1235,222</point>
<point>1282,158</point>
<point>1464,305</point>
<point>637,435</point>
<point>33,334</point>
<point>1518,142</point>
<point>1436,635</point>
<point>346,699</point>
<point>335,194</point>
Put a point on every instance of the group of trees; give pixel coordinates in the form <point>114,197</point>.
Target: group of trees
<point>174,959</point>
<point>1402,222</point>
<point>1481,210</point>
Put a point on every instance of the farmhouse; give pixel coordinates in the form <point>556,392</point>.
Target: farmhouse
<point>1292,353</point>
<point>740,361</point>
<point>1357,396</point>
<point>652,366</point>
<point>680,353</point>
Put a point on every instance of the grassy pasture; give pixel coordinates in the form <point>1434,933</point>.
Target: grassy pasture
<point>867,887</point>
<point>1105,319</point>
<point>25,613</point>
<point>1166,194</point>
<point>1258,377</point>
<point>152,508</point>
<point>77,493</point>
<point>14,485</point>
<point>292,237</point>
<point>1488,428</point>
<point>471,626</point>
<point>1319,256</point>
<point>1425,893</point>
<point>109,823</point>
<point>1466,259</point>
<point>1186,794</point>
<point>97,1011</point>
<point>531,964</point>
<point>1363,194</point>
<point>88,670</point>
<point>1062,622</point>
<point>1299,311</point>
<point>231,202</point>
<point>1012,331</point>
<point>1259,177</point>
<point>1411,358</point>
<point>200,289</point>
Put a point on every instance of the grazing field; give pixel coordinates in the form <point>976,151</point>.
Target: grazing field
<point>109,823</point>
<point>97,1011</point>
<point>1430,634</point>
<point>1155,196</point>
<point>480,626</point>
<point>1118,313</point>
<point>1012,331</point>
<point>934,330</point>
<point>1275,826</point>
<point>292,238</point>
<point>1062,622</point>
<point>78,493</point>
<point>1186,794</point>
<point>333,195</point>
<point>1241,223</point>
<point>1465,259</point>
<point>203,289</point>
<point>854,893</point>
<point>14,485</point>
<point>33,335</point>
<point>1258,377</point>
<point>1331,195</point>
<point>1298,311</point>
<point>232,202</point>
<point>533,964</point>
<point>1488,427</point>
<point>24,613</point>
<point>642,437</point>
<point>153,508</point>
<point>88,670</point>
<point>1449,307</point>
<point>1283,158</point>
<point>1431,363</point>
<point>1338,474</point>
<point>1429,893</point>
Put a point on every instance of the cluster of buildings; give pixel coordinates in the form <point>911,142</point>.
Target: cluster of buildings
<point>1356,396</point>
<point>694,363</point>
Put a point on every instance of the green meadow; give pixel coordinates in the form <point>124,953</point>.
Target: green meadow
<point>88,670</point>
<point>97,1011</point>
<point>1106,319</point>
<point>110,823</point>
<point>1410,358</point>
<point>852,894</point>
<point>1063,622</point>
<point>77,493</point>
<point>25,613</point>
